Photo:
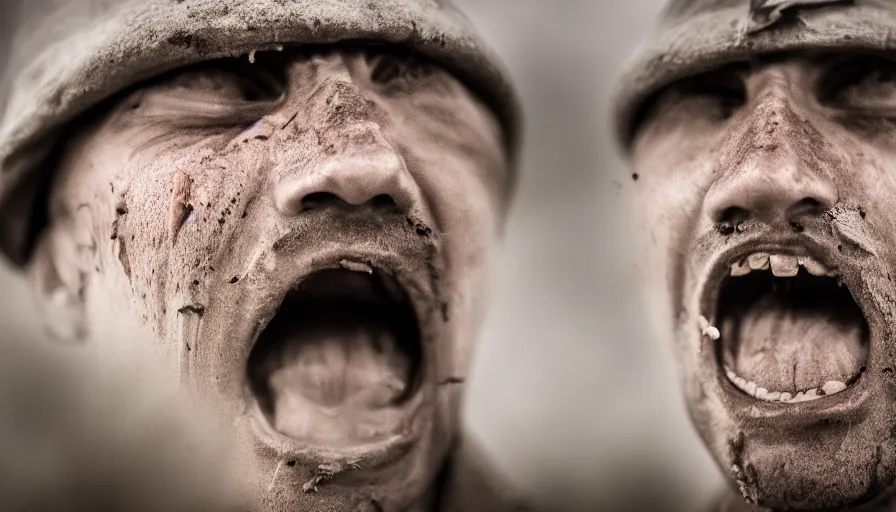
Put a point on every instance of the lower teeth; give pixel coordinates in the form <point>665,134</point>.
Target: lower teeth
<point>830,387</point>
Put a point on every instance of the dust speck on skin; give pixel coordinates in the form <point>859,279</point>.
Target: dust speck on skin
<point>725,228</point>
<point>180,203</point>
<point>419,227</point>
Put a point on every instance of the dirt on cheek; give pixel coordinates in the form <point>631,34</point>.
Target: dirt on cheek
<point>180,203</point>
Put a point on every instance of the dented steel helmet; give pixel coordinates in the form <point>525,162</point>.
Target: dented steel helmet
<point>694,36</point>
<point>88,50</point>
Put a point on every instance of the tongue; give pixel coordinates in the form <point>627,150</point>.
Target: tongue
<point>782,347</point>
<point>331,364</point>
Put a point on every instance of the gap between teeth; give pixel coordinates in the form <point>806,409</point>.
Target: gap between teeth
<point>781,265</point>
<point>751,388</point>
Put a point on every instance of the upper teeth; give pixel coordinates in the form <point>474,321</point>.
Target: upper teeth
<point>782,265</point>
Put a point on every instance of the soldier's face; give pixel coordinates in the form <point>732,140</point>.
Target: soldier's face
<point>305,241</point>
<point>766,198</point>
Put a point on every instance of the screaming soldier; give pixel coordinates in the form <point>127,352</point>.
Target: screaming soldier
<point>762,136</point>
<point>293,204</point>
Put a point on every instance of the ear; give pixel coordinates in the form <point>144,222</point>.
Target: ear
<point>58,283</point>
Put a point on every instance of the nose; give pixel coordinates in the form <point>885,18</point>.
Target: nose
<point>359,168</point>
<point>773,192</point>
<point>784,174</point>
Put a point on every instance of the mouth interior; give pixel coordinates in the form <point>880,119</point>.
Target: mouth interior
<point>339,359</point>
<point>791,338</point>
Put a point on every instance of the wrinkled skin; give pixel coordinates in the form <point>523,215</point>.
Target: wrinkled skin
<point>187,208</point>
<point>794,152</point>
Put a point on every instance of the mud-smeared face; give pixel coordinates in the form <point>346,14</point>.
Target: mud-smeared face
<point>305,239</point>
<point>766,198</point>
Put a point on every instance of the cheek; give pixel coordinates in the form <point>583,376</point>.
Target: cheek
<point>466,217</point>
<point>456,135</point>
<point>872,186</point>
<point>454,153</point>
<point>463,208</point>
<point>669,191</point>
<point>666,203</point>
<point>182,214</point>
<point>469,225</point>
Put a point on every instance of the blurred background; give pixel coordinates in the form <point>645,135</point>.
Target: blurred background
<point>570,394</point>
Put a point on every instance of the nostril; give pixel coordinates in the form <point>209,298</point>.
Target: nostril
<point>316,200</point>
<point>732,215</point>
<point>385,203</point>
<point>319,200</point>
<point>808,206</point>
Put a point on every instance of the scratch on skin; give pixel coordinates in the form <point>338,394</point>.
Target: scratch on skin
<point>290,120</point>
<point>180,203</point>
<point>845,438</point>
<point>197,309</point>
<point>123,259</point>
<point>274,476</point>
<point>120,210</point>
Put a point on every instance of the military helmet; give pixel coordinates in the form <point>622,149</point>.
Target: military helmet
<point>694,36</point>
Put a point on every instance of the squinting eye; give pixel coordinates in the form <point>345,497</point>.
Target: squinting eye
<point>711,97</point>
<point>720,92</point>
<point>388,67</point>
<point>230,81</point>
<point>860,83</point>
<point>215,94</point>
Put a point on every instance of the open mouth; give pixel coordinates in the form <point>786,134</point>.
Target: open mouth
<point>789,330</point>
<point>341,360</point>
